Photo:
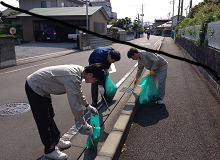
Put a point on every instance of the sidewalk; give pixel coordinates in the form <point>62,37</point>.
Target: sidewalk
<point>186,127</point>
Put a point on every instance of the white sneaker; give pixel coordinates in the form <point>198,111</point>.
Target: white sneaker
<point>160,102</point>
<point>63,144</point>
<point>57,155</point>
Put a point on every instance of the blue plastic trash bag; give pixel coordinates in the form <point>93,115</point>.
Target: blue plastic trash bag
<point>110,88</point>
<point>94,122</point>
<point>149,92</point>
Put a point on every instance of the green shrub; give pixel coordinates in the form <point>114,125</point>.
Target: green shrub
<point>202,14</point>
<point>19,32</point>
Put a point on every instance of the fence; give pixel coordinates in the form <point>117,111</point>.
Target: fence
<point>208,56</point>
<point>212,35</point>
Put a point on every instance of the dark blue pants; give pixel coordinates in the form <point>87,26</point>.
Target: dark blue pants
<point>43,113</point>
<point>95,91</point>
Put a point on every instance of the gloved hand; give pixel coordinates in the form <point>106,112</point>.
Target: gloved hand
<point>101,90</point>
<point>92,110</point>
<point>152,73</point>
<point>135,81</point>
<point>88,129</point>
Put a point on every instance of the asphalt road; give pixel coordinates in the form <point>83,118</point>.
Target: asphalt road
<point>19,135</point>
<point>39,48</point>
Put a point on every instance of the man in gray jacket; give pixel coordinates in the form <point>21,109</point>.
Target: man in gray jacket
<point>156,64</point>
<point>59,80</point>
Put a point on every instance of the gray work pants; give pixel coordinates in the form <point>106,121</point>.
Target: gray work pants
<point>162,76</point>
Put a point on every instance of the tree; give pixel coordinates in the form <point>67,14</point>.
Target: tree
<point>19,30</point>
<point>124,23</point>
<point>4,20</point>
<point>137,26</point>
<point>127,24</point>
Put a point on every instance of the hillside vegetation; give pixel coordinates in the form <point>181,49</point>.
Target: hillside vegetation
<point>204,12</point>
<point>201,14</point>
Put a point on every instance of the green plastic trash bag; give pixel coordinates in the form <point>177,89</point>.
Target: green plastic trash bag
<point>110,88</point>
<point>149,92</point>
<point>94,122</point>
<point>143,80</point>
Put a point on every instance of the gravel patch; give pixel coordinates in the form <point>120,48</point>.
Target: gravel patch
<point>38,48</point>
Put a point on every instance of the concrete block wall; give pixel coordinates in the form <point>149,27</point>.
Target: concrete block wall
<point>130,37</point>
<point>141,35</point>
<point>84,42</point>
<point>7,52</point>
<point>208,56</point>
<point>99,42</point>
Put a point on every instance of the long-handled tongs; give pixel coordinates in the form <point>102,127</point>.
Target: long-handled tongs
<point>133,89</point>
<point>105,101</point>
<point>92,143</point>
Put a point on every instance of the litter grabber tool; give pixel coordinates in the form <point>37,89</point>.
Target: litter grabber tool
<point>92,143</point>
<point>105,101</point>
<point>133,89</point>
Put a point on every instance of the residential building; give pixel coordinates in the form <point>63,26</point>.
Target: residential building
<point>158,22</point>
<point>33,26</point>
<point>30,4</point>
<point>8,10</point>
<point>106,5</point>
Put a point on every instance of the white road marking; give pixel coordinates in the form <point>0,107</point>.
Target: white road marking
<point>28,67</point>
<point>142,44</point>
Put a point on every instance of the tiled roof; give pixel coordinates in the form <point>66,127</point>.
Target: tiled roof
<point>66,11</point>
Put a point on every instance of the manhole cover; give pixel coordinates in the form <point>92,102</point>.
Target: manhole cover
<point>13,109</point>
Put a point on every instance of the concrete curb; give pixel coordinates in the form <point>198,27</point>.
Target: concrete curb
<point>111,149</point>
<point>113,144</point>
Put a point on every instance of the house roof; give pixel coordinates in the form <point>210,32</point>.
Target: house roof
<point>165,25</point>
<point>119,29</point>
<point>161,19</point>
<point>66,11</point>
<point>8,10</point>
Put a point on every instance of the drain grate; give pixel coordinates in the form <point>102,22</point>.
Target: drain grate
<point>13,109</point>
<point>126,90</point>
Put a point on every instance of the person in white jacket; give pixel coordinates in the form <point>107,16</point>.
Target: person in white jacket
<point>59,80</point>
<point>156,64</point>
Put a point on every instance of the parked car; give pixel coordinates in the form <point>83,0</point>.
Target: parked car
<point>54,34</point>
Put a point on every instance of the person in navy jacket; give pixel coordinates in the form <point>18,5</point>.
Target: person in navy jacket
<point>105,56</point>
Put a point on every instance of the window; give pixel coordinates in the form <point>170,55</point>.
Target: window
<point>45,4</point>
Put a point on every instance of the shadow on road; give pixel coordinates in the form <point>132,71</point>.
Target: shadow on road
<point>150,114</point>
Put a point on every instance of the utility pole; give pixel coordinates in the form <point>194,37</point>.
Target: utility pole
<point>87,24</point>
<point>181,9</point>
<point>178,18</point>
<point>173,12</point>
<point>190,5</point>
<point>142,16</point>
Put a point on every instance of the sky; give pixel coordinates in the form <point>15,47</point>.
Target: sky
<point>152,9</point>
<point>14,3</point>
